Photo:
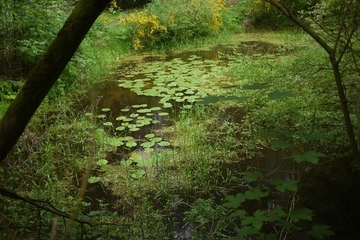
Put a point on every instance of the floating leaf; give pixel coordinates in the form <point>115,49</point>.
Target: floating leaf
<point>120,128</point>
<point>134,115</point>
<point>163,113</point>
<point>120,118</point>
<point>309,156</point>
<point>134,129</point>
<point>125,110</point>
<point>144,110</point>
<point>156,139</point>
<point>116,142</point>
<point>101,116</point>
<point>131,144</point>
<point>163,143</point>
<point>107,124</point>
<point>155,108</point>
<point>102,162</point>
<point>138,174</point>
<point>105,109</point>
<point>150,135</point>
<point>275,95</point>
<point>93,179</point>
<point>147,144</point>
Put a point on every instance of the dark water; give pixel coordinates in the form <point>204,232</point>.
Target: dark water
<point>331,189</point>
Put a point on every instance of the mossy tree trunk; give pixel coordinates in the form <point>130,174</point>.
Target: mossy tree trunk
<point>47,71</point>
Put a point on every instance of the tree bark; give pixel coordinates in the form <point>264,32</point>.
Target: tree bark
<point>336,71</point>
<point>47,71</point>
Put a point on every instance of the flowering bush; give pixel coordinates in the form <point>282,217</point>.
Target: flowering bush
<point>144,25</point>
<point>186,19</point>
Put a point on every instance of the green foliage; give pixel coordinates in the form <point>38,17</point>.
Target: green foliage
<point>26,29</point>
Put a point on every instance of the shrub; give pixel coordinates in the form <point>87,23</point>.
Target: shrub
<point>186,19</point>
<point>144,25</point>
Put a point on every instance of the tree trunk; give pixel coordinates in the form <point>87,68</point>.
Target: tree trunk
<point>47,71</point>
<point>337,76</point>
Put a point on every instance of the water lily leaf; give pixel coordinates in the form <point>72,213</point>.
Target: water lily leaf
<point>155,121</point>
<point>167,105</point>
<point>155,108</point>
<point>134,129</point>
<point>120,118</point>
<point>156,139</point>
<point>101,116</point>
<point>309,156</point>
<point>116,142</point>
<point>125,110</point>
<point>163,113</point>
<point>102,162</point>
<point>131,144</point>
<point>150,135</point>
<point>256,86</point>
<point>138,174</point>
<point>275,95</point>
<point>163,143</point>
<point>144,110</point>
<point>120,128</point>
<point>93,179</point>
<point>147,144</point>
<point>127,119</point>
<point>105,109</point>
<point>134,115</point>
<point>107,124</point>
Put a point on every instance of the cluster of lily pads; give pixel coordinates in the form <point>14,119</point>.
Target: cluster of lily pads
<point>132,120</point>
<point>176,80</point>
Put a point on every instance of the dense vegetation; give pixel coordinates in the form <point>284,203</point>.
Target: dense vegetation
<point>270,99</point>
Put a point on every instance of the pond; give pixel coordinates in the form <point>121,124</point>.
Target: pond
<point>145,96</point>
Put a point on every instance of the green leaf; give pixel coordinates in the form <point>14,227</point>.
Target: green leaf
<point>252,176</point>
<point>138,174</point>
<point>279,144</point>
<point>150,135</point>
<point>147,144</point>
<point>164,143</point>
<point>93,179</point>
<point>105,109</point>
<point>275,95</point>
<point>131,144</point>
<point>108,124</point>
<point>257,220</point>
<point>283,185</point>
<point>300,213</point>
<point>238,213</point>
<point>309,156</point>
<point>320,231</point>
<point>257,193</point>
<point>234,202</point>
<point>102,162</point>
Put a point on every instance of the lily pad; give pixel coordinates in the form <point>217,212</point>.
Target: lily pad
<point>94,179</point>
<point>138,174</point>
<point>105,109</point>
<point>163,143</point>
<point>131,144</point>
<point>147,144</point>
